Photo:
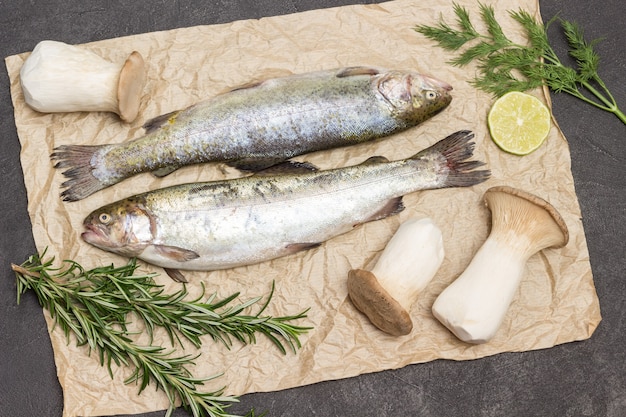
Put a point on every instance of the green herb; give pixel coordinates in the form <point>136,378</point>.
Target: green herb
<point>507,66</point>
<point>94,306</point>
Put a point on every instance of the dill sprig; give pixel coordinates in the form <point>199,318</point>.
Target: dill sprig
<point>96,306</point>
<point>504,65</point>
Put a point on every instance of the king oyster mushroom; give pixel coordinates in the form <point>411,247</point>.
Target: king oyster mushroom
<point>408,263</point>
<point>57,77</point>
<point>474,305</point>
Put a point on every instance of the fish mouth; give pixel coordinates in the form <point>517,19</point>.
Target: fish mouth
<point>434,82</point>
<point>92,235</point>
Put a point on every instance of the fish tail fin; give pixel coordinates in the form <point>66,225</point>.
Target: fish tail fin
<point>451,155</point>
<point>80,180</point>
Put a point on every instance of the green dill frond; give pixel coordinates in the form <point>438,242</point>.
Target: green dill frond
<point>510,58</point>
<point>586,58</point>
<point>505,66</point>
<point>535,31</point>
<point>464,21</point>
<point>500,80</point>
<point>479,51</point>
<point>493,27</point>
<point>447,38</point>
<point>559,78</point>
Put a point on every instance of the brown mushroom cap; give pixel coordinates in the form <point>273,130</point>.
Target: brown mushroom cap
<point>130,86</point>
<point>526,214</point>
<point>369,297</point>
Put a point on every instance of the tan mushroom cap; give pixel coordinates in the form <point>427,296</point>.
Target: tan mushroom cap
<point>130,86</point>
<point>526,214</point>
<point>369,297</point>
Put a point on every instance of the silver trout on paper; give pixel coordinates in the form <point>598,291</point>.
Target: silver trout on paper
<point>262,124</point>
<point>230,223</point>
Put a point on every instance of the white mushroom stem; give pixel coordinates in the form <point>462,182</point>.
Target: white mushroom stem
<point>410,260</point>
<point>407,264</point>
<point>475,304</point>
<point>58,77</point>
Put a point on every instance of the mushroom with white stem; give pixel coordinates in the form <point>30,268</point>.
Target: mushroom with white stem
<point>408,263</point>
<point>475,304</point>
<point>57,77</point>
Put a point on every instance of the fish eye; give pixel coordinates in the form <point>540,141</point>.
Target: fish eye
<point>431,95</point>
<point>104,218</point>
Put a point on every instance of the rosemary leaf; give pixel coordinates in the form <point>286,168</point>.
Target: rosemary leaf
<point>94,305</point>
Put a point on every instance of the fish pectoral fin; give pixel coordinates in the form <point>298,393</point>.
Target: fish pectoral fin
<point>175,253</point>
<point>160,121</point>
<point>162,172</point>
<point>297,247</point>
<point>392,207</point>
<point>254,164</point>
<point>375,160</point>
<point>175,274</point>
<point>352,71</point>
<point>288,167</point>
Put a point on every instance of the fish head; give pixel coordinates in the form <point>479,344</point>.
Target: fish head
<point>414,97</point>
<point>125,228</point>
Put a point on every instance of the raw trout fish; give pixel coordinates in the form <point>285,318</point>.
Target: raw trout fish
<point>230,223</point>
<point>262,124</point>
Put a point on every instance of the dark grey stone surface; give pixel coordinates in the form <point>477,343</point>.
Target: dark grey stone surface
<point>578,379</point>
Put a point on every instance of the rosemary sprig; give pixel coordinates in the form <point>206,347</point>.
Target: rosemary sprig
<point>504,65</point>
<point>94,305</point>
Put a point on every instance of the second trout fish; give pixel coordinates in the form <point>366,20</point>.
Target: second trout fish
<point>224,224</point>
<point>262,124</point>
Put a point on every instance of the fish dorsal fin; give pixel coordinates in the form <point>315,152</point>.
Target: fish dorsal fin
<point>160,121</point>
<point>352,71</point>
<point>288,167</point>
<point>375,160</point>
<point>245,86</point>
<point>268,75</point>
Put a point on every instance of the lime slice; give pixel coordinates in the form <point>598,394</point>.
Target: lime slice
<point>518,123</point>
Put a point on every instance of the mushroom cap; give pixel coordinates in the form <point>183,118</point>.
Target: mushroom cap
<point>369,297</point>
<point>526,214</point>
<point>130,86</point>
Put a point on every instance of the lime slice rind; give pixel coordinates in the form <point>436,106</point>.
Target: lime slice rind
<point>519,123</point>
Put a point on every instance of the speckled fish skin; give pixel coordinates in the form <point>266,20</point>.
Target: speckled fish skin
<point>225,224</point>
<point>262,124</point>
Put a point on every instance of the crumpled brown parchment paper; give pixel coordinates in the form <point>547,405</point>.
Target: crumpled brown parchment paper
<point>556,302</point>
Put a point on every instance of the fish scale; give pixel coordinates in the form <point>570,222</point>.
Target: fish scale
<point>260,125</point>
<point>237,222</point>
